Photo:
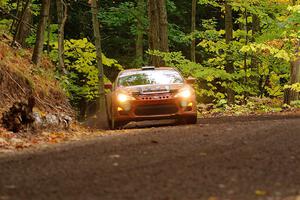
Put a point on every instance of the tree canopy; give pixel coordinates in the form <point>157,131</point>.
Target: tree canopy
<point>242,49</point>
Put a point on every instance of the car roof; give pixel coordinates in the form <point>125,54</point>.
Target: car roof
<point>140,69</point>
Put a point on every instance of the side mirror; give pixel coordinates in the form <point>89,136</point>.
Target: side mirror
<point>108,86</point>
<point>191,80</point>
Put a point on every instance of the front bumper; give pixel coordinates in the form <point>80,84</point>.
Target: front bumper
<point>164,106</point>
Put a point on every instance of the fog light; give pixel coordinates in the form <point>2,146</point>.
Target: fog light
<point>126,107</point>
<point>183,104</point>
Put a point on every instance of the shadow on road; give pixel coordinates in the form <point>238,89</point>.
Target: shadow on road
<point>211,120</point>
<point>233,119</point>
<point>151,123</point>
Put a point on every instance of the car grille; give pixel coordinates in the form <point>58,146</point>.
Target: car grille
<point>145,110</point>
<point>155,97</point>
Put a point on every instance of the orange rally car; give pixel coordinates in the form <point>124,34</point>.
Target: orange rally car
<point>151,93</point>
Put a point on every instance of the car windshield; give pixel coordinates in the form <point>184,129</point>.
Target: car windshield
<point>149,77</point>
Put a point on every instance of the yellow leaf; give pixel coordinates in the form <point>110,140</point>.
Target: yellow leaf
<point>260,192</point>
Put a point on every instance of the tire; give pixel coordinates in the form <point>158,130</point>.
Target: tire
<point>116,125</point>
<point>187,120</point>
<point>191,120</point>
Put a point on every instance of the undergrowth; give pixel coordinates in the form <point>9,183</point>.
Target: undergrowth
<point>254,106</point>
<point>19,79</point>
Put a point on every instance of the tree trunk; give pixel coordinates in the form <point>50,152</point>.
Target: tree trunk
<point>254,61</point>
<point>25,29</point>
<point>48,34</point>
<point>62,11</point>
<point>158,29</point>
<point>13,24</point>
<point>38,48</point>
<point>154,39</point>
<point>163,25</point>
<point>140,33</point>
<point>102,115</point>
<point>229,36</point>
<point>255,29</point>
<point>246,54</point>
<point>193,29</point>
<point>22,28</point>
<point>295,75</point>
<point>291,95</point>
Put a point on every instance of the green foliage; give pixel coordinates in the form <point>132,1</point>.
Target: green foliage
<point>125,13</point>
<point>50,32</point>
<point>253,106</point>
<point>209,2</point>
<point>210,79</point>
<point>81,81</point>
<point>121,21</point>
<point>7,7</point>
<point>10,6</point>
<point>295,104</point>
<point>3,3</point>
<point>5,24</point>
<point>261,57</point>
<point>176,35</point>
<point>261,61</point>
<point>295,87</point>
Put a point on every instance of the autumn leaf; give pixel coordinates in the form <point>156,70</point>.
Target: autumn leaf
<point>260,192</point>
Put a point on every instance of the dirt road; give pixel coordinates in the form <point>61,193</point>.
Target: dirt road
<point>230,158</point>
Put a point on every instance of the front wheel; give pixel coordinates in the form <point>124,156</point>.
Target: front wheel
<point>191,120</point>
<point>115,124</point>
<point>187,120</point>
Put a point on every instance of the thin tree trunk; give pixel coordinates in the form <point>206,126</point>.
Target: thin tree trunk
<point>62,14</point>
<point>193,29</point>
<point>14,20</point>
<point>295,74</point>
<point>140,33</point>
<point>25,30</point>
<point>163,25</point>
<point>48,34</point>
<point>102,117</point>
<point>246,54</point>
<point>20,24</point>
<point>254,60</point>
<point>38,48</point>
<point>291,95</point>
<point>229,36</point>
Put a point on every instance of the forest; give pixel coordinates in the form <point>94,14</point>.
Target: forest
<point>239,51</point>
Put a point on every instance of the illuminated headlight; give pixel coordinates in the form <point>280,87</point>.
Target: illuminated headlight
<point>185,93</point>
<point>124,98</point>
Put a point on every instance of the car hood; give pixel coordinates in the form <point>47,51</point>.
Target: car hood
<point>149,89</point>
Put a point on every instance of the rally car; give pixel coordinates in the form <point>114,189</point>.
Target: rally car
<point>151,93</point>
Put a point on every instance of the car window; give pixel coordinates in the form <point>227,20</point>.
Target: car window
<point>149,77</point>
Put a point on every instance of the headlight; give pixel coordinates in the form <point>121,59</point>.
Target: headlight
<point>184,93</point>
<point>124,98</point>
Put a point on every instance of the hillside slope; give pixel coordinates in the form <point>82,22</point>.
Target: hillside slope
<point>19,79</point>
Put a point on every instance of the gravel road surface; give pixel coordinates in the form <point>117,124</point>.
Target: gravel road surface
<point>216,159</point>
